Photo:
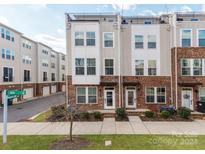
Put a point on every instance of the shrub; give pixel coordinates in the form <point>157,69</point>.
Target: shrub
<point>165,114</point>
<point>58,113</point>
<point>120,113</point>
<point>171,109</point>
<point>97,115</point>
<point>84,115</point>
<point>149,114</point>
<point>184,112</point>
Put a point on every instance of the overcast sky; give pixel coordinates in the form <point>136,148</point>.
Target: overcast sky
<point>45,23</point>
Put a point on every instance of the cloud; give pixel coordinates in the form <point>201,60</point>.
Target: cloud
<point>4,20</point>
<point>148,12</point>
<point>185,9</point>
<point>203,7</point>
<point>61,31</point>
<point>56,43</point>
<point>124,6</point>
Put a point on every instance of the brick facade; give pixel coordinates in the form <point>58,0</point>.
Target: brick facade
<point>194,82</point>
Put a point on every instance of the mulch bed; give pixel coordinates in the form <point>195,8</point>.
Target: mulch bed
<point>156,118</point>
<point>65,144</point>
<point>124,119</point>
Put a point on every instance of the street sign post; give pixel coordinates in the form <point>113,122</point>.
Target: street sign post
<point>8,94</point>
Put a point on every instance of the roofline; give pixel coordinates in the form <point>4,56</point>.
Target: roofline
<point>1,24</point>
<point>44,45</point>
<point>25,37</point>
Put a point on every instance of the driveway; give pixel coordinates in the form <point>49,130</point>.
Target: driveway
<point>28,109</point>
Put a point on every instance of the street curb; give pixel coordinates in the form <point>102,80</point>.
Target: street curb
<point>33,117</point>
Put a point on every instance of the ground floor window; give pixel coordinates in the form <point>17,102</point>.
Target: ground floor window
<point>86,95</point>
<point>202,94</point>
<point>155,95</point>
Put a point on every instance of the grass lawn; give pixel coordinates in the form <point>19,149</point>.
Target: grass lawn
<point>42,117</point>
<point>118,142</point>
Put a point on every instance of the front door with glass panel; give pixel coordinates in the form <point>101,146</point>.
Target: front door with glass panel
<point>130,98</point>
<point>187,99</point>
<point>109,102</point>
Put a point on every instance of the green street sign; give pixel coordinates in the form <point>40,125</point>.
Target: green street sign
<point>15,93</point>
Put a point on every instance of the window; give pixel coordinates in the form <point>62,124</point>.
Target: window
<point>2,33</point>
<point>27,75</point>
<point>63,67</point>
<point>63,57</point>
<point>194,19</point>
<point>81,95</point>
<point>3,53</point>
<point>79,66</point>
<point>150,95</point>
<point>90,38</point>
<point>139,67</point>
<point>63,77</point>
<point>161,95</point>
<point>109,67</point>
<point>86,95</point>
<point>139,42</point>
<point>186,38</point>
<point>202,94</point>
<point>186,67</point>
<point>155,95</point>
<point>201,35</point>
<point>7,35</point>
<point>8,54</point>
<point>79,39</point>
<point>8,74</point>
<point>12,55</point>
<point>108,40</point>
<point>92,95</point>
<point>152,67</point>
<point>147,22</point>
<point>45,77</point>
<point>52,65</point>
<point>197,67</point>
<point>152,41</point>
<point>53,77</point>
<point>91,66</point>
<point>45,52</point>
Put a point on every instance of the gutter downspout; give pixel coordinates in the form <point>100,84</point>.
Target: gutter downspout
<point>119,61</point>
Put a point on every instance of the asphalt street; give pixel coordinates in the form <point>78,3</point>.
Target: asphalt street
<point>28,109</point>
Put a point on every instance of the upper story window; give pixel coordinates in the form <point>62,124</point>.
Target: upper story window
<point>53,56</point>
<point>152,67</point>
<point>53,77</point>
<point>147,22</point>
<point>139,67</point>
<point>91,66</point>
<point>27,60</point>
<point>186,67</point>
<point>194,19</point>
<point>108,39</point>
<point>79,66</point>
<point>45,51</point>
<point>8,35</point>
<point>90,38</point>
<point>63,57</point>
<point>45,76</point>
<point>3,53</point>
<point>27,76</point>
<point>26,45</point>
<point>79,38</point>
<point>109,67</point>
<point>201,38</point>
<point>139,41</point>
<point>52,65</point>
<point>7,54</point>
<point>186,38</point>
<point>7,74</point>
<point>63,67</point>
<point>152,41</point>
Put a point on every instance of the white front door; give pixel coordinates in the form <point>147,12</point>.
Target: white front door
<point>187,99</point>
<point>109,101</point>
<point>130,98</point>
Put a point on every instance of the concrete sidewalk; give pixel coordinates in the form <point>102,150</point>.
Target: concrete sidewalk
<point>108,126</point>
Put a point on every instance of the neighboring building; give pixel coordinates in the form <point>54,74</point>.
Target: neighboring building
<point>116,61</point>
<point>28,65</point>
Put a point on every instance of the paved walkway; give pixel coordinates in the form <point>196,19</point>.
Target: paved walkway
<point>108,126</point>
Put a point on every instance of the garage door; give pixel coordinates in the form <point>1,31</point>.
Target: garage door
<point>29,93</point>
<point>53,89</point>
<point>46,91</point>
<point>63,88</point>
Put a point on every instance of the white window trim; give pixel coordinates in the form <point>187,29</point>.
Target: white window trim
<point>144,69</point>
<point>85,40</point>
<point>3,74</point>
<point>85,69</point>
<point>200,92</point>
<point>86,95</point>
<point>113,36</point>
<point>190,38</point>
<point>113,66</point>
<point>143,42</point>
<point>152,67</point>
<point>197,35</point>
<point>155,95</point>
